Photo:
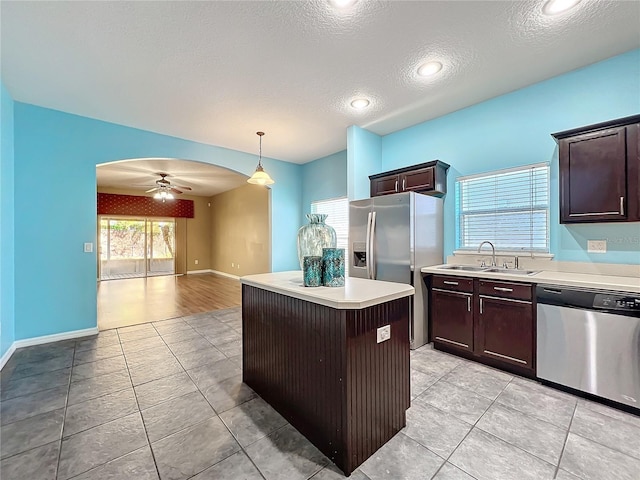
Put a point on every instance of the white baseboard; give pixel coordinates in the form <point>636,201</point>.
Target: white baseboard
<point>208,270</point>
<point>225,274</point>
<point>56,337</point>
<point>7,355</point>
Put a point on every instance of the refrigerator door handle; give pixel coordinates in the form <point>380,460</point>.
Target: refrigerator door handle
<point>368,247</point>
<point>372,239</point>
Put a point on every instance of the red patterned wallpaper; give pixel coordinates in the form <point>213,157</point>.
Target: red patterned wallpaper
<point>112,204</point>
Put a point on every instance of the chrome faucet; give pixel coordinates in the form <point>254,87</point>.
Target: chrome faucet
<point>493,252</point>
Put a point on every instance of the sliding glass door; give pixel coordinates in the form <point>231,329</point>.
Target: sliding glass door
<point>136,247</point>
<point>161,247</point>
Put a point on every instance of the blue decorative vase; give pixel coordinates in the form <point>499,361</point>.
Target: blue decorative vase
<point>312,271</point>
<point>315,236</point>
<point>333,267</point>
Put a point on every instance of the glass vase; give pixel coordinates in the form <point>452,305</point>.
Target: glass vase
<point>315,236</point>
<point>333,267</point>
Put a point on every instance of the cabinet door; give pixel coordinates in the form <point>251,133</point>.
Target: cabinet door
<point>504,330</point>
<point>385,185</point>
<point>593,172</point>
<point>418,180</point>
<point>452,318</point>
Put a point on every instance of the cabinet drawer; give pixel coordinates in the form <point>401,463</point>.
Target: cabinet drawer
<point>459,284</point>
<point>506,289</point>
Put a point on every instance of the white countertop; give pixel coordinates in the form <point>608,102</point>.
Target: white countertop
<point>603,282</point>
<point>357,293</point>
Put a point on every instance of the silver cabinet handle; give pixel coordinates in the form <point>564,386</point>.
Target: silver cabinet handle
<point>447,282</point>
<point>621,205</point>
<point>480,305</point>
<point>396,185</point>
<point>403,180</point>
<point>468,304</point>
<point>502,289</point>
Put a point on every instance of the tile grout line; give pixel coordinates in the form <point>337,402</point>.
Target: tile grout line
<point>135,395</point>
<point>218,415</point>
<point>212,408</point>
<point>64,415</point>
<point>566,439</point>
<point>473,426</point>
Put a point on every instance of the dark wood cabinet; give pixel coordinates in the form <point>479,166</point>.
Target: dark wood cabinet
<point>489,321</point>
<point>505,324</point>
<point>429,178</point>
<point>599,172</point>
<point>385,185</point>
<point>452,318</point>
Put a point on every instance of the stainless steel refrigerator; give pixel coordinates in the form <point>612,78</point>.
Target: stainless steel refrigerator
<point>391,238</point>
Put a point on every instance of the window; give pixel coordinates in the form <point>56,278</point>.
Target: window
<point>337,210</point>
<point>510,208</point>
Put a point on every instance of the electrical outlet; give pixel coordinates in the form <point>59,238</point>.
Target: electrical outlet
<point>233,265</point>
<point>196,262</point>
<point>88,247</point>
<point>238,266</point>
<point>384,333</point>
<point>596,246</point>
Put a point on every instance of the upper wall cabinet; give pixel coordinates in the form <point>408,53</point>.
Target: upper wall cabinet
<point>600,172</point>
<point>429,178</point>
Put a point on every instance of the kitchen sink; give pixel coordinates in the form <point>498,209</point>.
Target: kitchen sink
<point>466,268</point>
<point>471,268</point>
<point>510,271</point>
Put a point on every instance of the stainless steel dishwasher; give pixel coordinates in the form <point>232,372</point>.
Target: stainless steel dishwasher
<point>589,340</point>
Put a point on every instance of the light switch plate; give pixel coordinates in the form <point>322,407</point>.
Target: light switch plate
<point>384,333</point>
<point>88,247</point>
<point>596,246</point>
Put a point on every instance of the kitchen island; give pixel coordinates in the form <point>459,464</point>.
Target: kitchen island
<point>313,354</point>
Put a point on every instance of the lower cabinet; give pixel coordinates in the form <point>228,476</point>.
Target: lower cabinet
<point>489,321</point>
<point>452,318</point>
<point>504,330</point>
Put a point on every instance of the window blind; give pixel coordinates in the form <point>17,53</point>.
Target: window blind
<point>510,208</point>
<point>337,210</point>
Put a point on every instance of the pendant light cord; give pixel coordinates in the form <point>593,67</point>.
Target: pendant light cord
<point>260,134</point>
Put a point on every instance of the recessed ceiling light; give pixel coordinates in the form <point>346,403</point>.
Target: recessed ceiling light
<point>555,7</point>
<point>429,68</point>
<point>342,3</point>
<point>360,103</point>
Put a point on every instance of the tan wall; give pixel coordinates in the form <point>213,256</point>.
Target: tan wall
<point>240,231</point>
<point>195,243</point>
<point>199,235</point>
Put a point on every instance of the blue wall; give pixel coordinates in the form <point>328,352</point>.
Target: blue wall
<point>56,216</point>
<point>7,312</point>
<point>364,158</point>
<point>323,179</point>
<point>514,129</point>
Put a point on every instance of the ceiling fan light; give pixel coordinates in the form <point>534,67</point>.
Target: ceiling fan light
<point>157,196</point>
<point>169,196</point>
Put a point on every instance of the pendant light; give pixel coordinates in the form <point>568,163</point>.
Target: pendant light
<point>260,177</point>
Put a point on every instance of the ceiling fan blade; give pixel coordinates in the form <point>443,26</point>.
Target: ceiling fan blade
<point>151,190</point>
<point>175,190</point>
<point>184,187</point>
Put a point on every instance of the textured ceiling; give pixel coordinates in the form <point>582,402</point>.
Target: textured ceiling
<point>204,179</point>
<point>217,72</point>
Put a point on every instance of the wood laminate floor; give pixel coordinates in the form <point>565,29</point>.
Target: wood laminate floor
<point>133,301</point>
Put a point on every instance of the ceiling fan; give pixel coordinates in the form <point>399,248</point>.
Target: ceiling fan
<point>164,185</point>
